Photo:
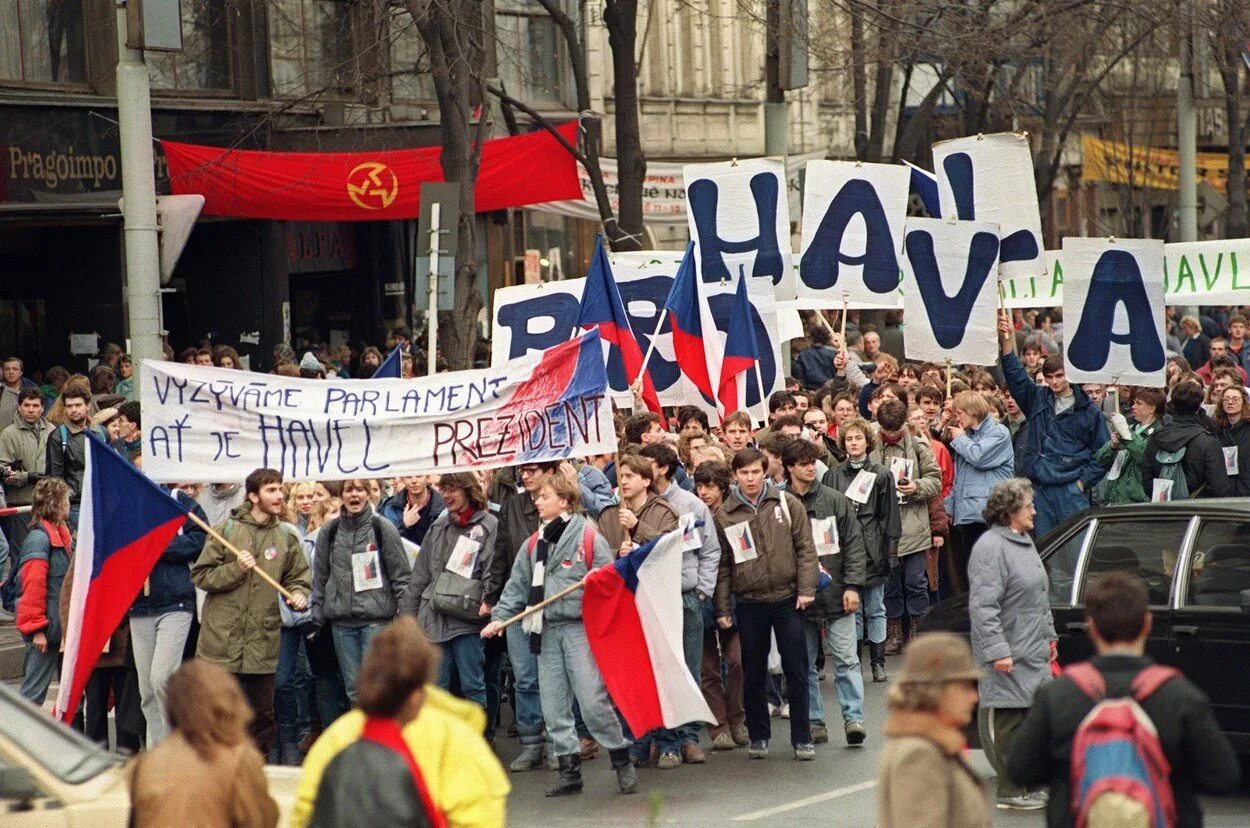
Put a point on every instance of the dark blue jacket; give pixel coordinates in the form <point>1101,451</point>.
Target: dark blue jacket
<point>1055,450</point>
<point>169,587</point>
<point>814,366</point>
<point>393,510</point>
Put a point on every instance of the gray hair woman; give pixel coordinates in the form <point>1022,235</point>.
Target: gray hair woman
<point>1013,633</point>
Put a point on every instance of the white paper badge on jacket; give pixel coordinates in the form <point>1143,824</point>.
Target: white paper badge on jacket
<point>742,542</point>
<point>366,569</point>
<point>861,487</point>
<point>691,538</point>
<point>825,536</point>
<point>1161,492</point>
<point>463,557</point>
<point>1231,465</point>
<point>1117,465</point>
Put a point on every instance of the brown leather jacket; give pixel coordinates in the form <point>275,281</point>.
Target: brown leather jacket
<point>786,564</point>
<point>655,518</point>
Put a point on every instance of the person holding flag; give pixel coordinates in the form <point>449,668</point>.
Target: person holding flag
<point>240,623</point>
<point>602,308</point>
<point>558,556</point>
<point>126,523</point>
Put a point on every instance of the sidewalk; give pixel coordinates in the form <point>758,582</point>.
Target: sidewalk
<point>10,653</point>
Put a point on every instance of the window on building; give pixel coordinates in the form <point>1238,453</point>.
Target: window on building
<point>205,63</point>
<point>42,41</point>
<point>312,50</point>
<point>410,64</point>
<point>533,61</point>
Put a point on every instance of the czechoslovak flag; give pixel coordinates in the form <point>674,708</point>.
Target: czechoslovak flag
<point>742,352</point>
<point>125,523</point>
<point>686,315</point>
<point>633,617</point>
<point>603,309</point>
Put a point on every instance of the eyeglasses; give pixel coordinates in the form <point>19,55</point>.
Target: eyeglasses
<point>526,471</point>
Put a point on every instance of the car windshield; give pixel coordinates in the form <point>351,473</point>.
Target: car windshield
<point>65,753</point>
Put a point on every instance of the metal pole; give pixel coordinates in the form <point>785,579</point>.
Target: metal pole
<point>1187,143</point>
<point>1187,149</point>
<point>432,312</point>
<point>140,233</point>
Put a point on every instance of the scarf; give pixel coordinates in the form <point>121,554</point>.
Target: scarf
<point>462,517</point>
<point>548,536</point>
<point>385,731</point>
<point>891,439</point>
<point>57,535</point>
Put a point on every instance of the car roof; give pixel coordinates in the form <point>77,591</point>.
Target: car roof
<point>1240,505</point>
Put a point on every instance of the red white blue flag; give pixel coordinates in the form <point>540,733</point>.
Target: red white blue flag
<point>125,523</point>
<point>633,617</point>
<point>685,312</point>
<point>742,352</point>
<point>603,309</point>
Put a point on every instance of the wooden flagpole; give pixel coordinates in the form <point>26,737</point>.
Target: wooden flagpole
<point>215,535</point>
<point>528,611</point>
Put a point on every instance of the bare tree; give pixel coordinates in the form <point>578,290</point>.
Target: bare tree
<point>456,36</point>
<point>1228,29</point>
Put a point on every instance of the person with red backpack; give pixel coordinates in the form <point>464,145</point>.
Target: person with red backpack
<point>1121,739</point>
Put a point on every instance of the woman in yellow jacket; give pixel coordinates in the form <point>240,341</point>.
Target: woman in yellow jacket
<point>460,777</point>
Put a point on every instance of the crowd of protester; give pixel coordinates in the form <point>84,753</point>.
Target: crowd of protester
<point>876,487</point>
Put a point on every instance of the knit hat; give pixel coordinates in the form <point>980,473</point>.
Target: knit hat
<point>936,658</point>
<point>311,363</point>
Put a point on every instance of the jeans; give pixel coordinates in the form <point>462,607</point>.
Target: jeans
<point>525,698</point>
<point>466,656</point>
<point>908,580</point>
<point>842,645</point>
<point>293,695</point>
<point>39,670</point>
<point>755,621</point>
<point>671,740</point>
<point>872,608</point>
<point>723,695</point>
<point>1055,504</point>
<point>157,642</point>
<point>351,642</point>
<point>328,690</point>
<point>567,671</point>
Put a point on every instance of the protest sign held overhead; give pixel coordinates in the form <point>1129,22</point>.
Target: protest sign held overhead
<point>1207,273</point>
<point>218,424</point>
<point>951,290</point>
<point>990,178</point>
<point>739,217</point>
<point>852,233</point>
<point>1113,310</point>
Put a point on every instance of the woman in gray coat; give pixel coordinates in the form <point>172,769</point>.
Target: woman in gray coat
<point>460,542</point>
<point>1013,633</point>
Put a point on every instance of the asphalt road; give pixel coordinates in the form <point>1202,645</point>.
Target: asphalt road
<point>838,788</point>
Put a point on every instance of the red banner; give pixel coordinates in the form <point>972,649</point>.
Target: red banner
<point>367,186</point>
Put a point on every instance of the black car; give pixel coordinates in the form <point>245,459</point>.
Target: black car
<point>1194,556</point>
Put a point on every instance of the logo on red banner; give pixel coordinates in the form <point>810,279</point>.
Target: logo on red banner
<point>372,186</point>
